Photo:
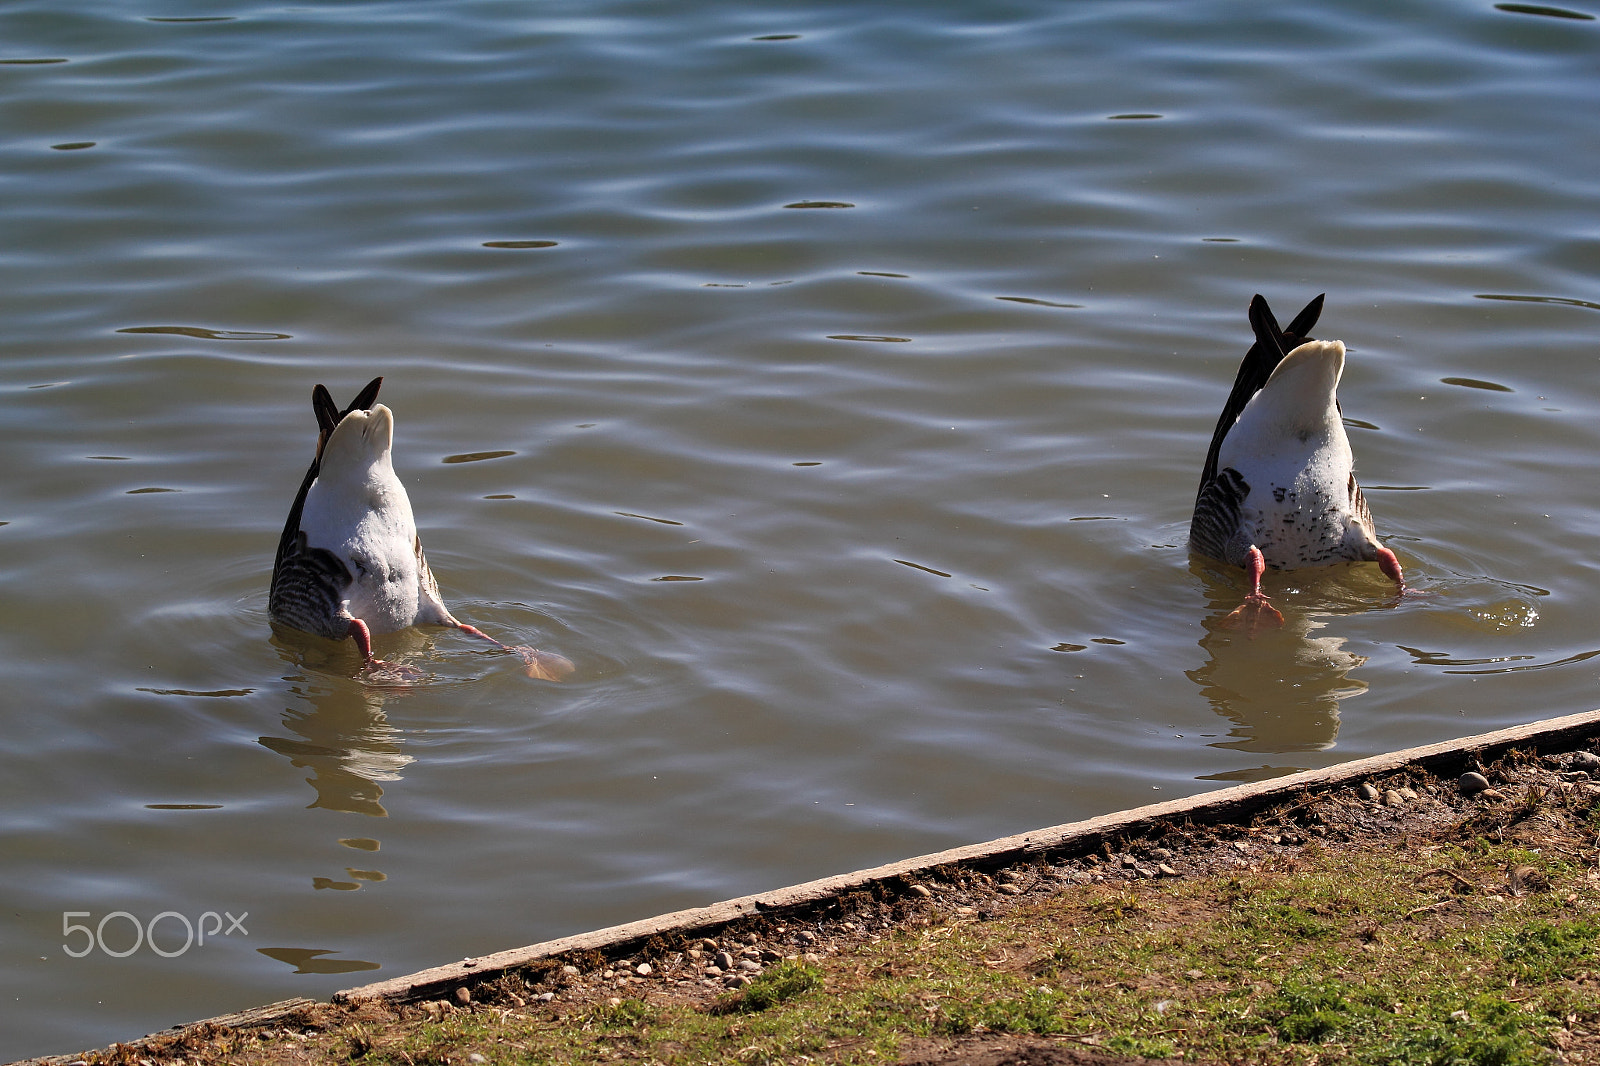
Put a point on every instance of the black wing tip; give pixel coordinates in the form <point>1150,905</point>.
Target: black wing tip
<point>1307,318</point>
<point>1301,324</point>
<point>325,409</point>
<point>366,397</point>
<point>322,399</point>
<point>1265,327</point>
<point>328,414</point>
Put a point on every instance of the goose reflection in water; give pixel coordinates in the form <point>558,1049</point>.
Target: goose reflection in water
<point>343,736</point>
<point>1282,688</point>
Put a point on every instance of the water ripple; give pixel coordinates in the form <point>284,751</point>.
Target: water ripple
<point>768,424</point>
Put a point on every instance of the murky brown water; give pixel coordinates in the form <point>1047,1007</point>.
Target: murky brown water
<point>829,383</point>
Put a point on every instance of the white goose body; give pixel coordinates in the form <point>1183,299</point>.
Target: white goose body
<point>1303,507</point>
<point>1279,488</point>
<point>358,511</point>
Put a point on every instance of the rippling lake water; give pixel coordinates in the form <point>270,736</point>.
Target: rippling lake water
<point>828,381</point>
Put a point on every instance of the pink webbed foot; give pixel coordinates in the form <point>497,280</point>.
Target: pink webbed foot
<point>543,665</point>
<point>1256,614</point>
<point>377,669</point>
<point>539,665</point>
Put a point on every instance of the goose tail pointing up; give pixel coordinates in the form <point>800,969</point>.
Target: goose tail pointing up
<point>1278,488</point>
<point>350,563</point>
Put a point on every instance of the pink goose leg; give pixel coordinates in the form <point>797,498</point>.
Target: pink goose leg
<point>540,665</point>
<point>1256,613</point>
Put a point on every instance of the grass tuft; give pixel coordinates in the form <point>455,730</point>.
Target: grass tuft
<point>779,984</point>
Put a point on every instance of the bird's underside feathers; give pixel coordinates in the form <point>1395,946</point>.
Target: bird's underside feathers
<point>1278,477</point>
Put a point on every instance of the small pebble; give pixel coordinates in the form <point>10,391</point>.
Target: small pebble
<point>724,960</point>
<point>714,971</point>
<point>1367,791</point>
<point>738,980</point>
<point>811,958</point>
<point>1392,798</point>
<point>1166,871</point>
<point>750,965</point>
<point>1408,793</point>
<point>545,997</point>
<point>614,1001</point>
<point>476,1057</point>
<point>1585,760</point>
<point>1160,854</point>
<point>570,971</point>
<point>768,955</point>
<point>1011,890</point>
<point>1492,794</point>
<point>921,890</point>
<point>806,936</point>
<point>643,969</point>
<point>1472,783</point>
<point>463,995</point>
<point>1009,875</point>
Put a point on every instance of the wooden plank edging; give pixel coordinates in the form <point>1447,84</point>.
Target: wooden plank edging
<point>1450,756</point>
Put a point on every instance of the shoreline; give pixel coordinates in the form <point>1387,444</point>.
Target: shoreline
<point>900,880</point>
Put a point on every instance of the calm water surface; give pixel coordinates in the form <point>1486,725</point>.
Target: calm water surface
<point>829,381</point>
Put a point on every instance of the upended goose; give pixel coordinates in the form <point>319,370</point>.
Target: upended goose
<point>350,563</point>
<point>1278,488</point>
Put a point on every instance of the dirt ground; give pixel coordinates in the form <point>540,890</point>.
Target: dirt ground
<point>1535,802</point>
